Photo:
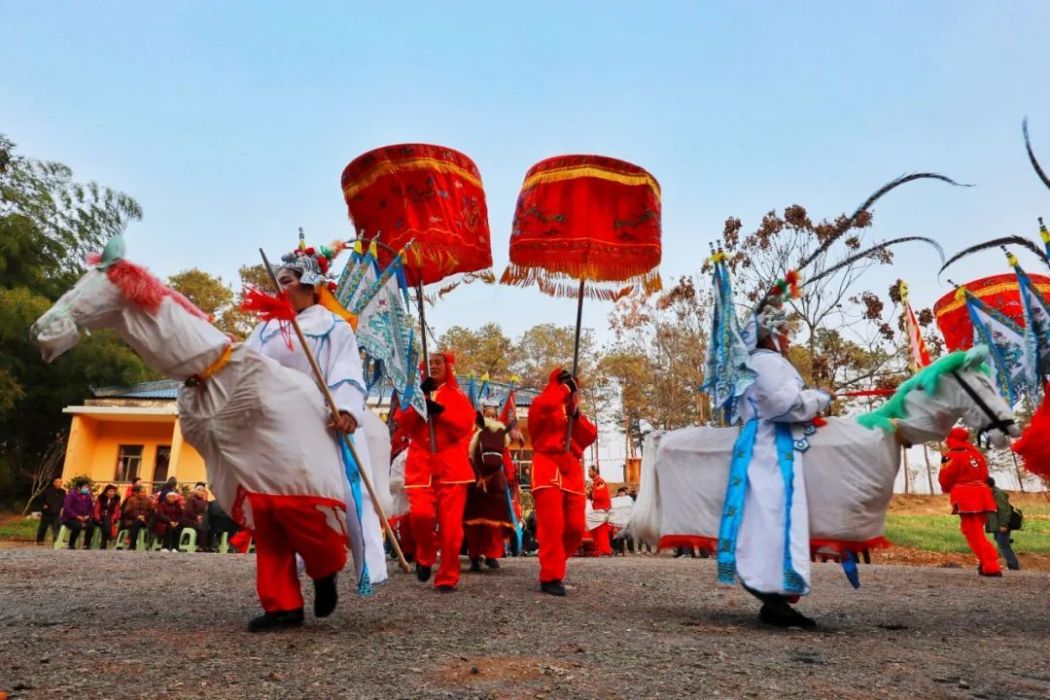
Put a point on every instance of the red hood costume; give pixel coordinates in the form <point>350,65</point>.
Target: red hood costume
<point>964,475</point>
<point>436,482</point>
<point>557,475</point>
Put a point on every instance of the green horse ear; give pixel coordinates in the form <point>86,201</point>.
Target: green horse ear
<point>113,251</point>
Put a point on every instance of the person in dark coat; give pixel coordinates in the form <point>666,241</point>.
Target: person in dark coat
<point>107,513</point>
<point>50,510</point>
<point>218,523</point>
<point>78,511</point>
<point>999,525</point>
<point>194,513</point>
<point>138,511</point>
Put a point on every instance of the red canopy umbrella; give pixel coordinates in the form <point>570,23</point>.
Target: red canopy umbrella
<point>1000,292</point>
<point>587,219</point>
<point>430,196</point>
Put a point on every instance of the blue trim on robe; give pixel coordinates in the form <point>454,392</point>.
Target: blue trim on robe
<point>353,476</point>
<point>736,491</point>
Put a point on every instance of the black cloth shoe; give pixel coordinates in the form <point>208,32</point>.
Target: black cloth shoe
<point>475,565</point>
<point>492,563</point>
<point>784,616</point>
<point>325,596</point>
<point>552,588</point>
<point>446,589</point>
<point>276,620</point>
<point>422,573</point>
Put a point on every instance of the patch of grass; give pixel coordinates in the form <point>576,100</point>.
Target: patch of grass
<point>18,528</point>
<point>940,533</point>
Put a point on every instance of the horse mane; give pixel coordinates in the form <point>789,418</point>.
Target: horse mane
<point>927,380</point>
<point>146,291</point>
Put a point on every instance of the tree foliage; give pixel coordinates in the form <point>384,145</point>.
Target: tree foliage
<point>48,222</point>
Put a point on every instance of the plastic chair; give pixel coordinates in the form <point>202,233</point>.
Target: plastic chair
<point>157,544</point>
<point>143,542</point>
<point>122,540</point>
<point>62,541</point>
<point>224,543</point>
<point>96,538</point>
<point>188,540</point>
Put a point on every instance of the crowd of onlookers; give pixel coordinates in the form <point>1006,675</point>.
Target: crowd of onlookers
<point>161,517</point>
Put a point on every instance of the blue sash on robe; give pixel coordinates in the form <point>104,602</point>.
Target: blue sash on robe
<point>733,508</point>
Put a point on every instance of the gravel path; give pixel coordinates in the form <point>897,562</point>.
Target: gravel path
<point>127,625</point>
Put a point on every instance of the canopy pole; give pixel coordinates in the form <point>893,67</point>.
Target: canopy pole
<point>575,357</point>
<point>426,360</point>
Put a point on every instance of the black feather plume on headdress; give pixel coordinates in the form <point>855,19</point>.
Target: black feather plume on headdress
<point>1031,154</point>
<point>869,202</point>
<point>873,249</point>
<point>994,243</point>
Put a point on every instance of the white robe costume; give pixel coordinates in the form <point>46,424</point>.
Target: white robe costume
<point>776,397</point>
<point>335,348</point>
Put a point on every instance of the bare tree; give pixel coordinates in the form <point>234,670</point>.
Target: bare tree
<point>46,469</point>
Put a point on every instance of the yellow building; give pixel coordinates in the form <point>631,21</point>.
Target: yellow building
<point>124,433</point>
<point>128,432</point>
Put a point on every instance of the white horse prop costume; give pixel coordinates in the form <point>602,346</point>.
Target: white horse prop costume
<point>849,467</point>
<point>272,464</point>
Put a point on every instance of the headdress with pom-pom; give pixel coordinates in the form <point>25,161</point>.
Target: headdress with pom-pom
<point>312,264</point>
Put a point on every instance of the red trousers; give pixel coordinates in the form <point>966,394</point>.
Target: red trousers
<point>972,526</point>
<point>485,541</point>
<point>402,527</point>
<point>560,525</point>
<point>437,512</point>
<point>603,539</point>
<point>286,526</point>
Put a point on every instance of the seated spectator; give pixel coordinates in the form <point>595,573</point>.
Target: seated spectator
<point>171,485</point>
<point>107,513</point>
<point>138,510</point>
<point>218,523</point>
<point>77,512</point>
<point>194,513</point>
<point>167,519</point>
<point>51,511</point>
<point>128,491</point>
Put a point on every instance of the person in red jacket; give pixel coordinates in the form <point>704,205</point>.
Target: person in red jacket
<point>557,475</point>
<point>436,480</point>
<point>601,500</point>
<point>963,476</point>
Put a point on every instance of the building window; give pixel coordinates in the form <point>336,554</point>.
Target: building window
<point>129,461</point>
<point>160,470</point>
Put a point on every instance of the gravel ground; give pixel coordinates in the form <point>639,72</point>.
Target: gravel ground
<point>125,625</point>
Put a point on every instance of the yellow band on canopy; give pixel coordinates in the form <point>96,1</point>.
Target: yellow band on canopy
<point>576,171</point>
<point>389,167</point>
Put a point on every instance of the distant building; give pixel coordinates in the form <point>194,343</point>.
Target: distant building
<point>126,432</point>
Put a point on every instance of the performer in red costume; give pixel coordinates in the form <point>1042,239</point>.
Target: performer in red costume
<point>436,481</point>
<point>964,474</point>
<point>601,500</point>
<point>557,475</point>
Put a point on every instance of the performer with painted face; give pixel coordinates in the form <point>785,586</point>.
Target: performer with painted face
<point>764,535</point>
<point>437,476</point>
<point>303,276</point>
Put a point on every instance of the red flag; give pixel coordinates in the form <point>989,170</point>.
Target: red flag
<point>509,412</point>
<point>918,355</point>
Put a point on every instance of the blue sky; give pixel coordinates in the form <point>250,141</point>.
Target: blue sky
<point>231,122</point>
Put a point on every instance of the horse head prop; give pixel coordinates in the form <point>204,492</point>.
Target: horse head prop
<point>957,387</point>
<point>167,330</point>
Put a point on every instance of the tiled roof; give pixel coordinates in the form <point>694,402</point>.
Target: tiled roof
<point>161,389</point>
<point>168,389</point>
